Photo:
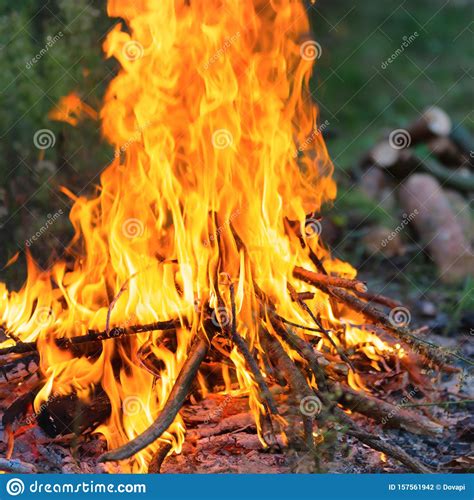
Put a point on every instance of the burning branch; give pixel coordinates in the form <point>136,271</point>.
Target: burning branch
<point>175,401</point>
<point>92,336</point>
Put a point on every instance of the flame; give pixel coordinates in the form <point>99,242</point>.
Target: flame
<point>207,116</point>
<point>71,109</point>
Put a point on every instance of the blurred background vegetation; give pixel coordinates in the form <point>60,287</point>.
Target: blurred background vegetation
<point>355,94</point>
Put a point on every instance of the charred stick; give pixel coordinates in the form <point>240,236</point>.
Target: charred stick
<point>379,299</point>
<point>175,401</point>
<point>159,457</point>
<point>305,295</point>
<point>430,352</point>
<point>433,122</point>
<point>20,406</point>
<point>376,443</point>
<point>250,360</point>
<point>19,368</point>
<point>447,152</point>
<point>304,350</point>
<point>365,404</point>
<point>61,415</point>
<point>93,336</point>
<point>296,325</point>
<point>113,302</point>
<point>299,388</point>
<point>325,332</point>
<point>445,175</point>
<point>392,450</point>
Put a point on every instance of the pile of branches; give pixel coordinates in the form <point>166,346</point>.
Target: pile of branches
<point>317,404</point>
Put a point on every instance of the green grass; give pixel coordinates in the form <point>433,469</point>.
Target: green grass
<point>358,97</point>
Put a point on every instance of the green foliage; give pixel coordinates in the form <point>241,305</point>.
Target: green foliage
<point>48,49</point>
<point>360,96</point>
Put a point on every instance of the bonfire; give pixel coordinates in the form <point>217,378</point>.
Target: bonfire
<point>204,243</point>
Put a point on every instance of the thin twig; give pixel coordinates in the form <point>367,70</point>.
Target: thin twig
<point>250,360</point>
<point>325,332</point>
<point>439,403</point>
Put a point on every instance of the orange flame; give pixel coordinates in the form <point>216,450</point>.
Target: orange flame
<point>210,113</point>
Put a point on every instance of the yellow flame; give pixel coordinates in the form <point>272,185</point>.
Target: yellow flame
<point>214,132</point>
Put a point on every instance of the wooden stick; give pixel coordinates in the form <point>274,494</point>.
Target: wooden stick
<point>431,353</point>
<point>447,152</point>
<point>326,280</point>
<point>379,410</point>
<point>324,332</point>
<point>439,403</point>
<point>434,122</point>
<point>392,450</point>
<point>386,413</point>
<point>446,176</point>
<point>299,388</point>
<point>175,401</point>
<point>20,406</point>
<point>379,299</point>
<point>92,336</point>
<point>18,369</point>
<point>376,443</point>
<point>250,360</point>
<point>303,349</point>
<point>158,458</point>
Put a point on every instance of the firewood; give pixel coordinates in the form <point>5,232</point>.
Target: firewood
<point>19,407</point>
<point>325,333</point>
<point>175,401</point>
<point>436,224</point>
<point>60,415</point>
<point>305,295</point>
<point>228,424</point>
<point>93,336</point>
<point>385,413</point>
<point>158,458</point>
<point>303,349</point>
<point>379,443</point>
<point>379,299</point>
<point>396,162</point>
<point>425,162</point>
<point>351,284</point>
<point>299,388</point>
<point>432,354</point>
<point>401,163</point>
<point>446,151</point>
<point>434,122</point>
<point>391,450</point>
<point>250,360</point>
<point>365,404</point>
<point>463,140</point>
<point>17,369</point>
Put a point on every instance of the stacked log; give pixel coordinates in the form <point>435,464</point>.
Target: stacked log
<point>427,170</point>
